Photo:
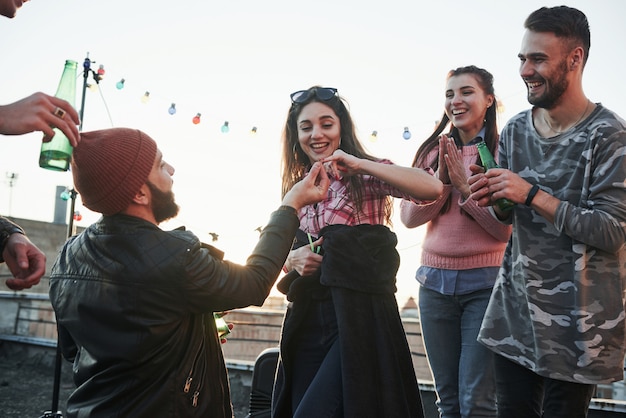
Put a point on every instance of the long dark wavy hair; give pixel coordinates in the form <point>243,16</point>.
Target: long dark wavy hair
<point>485,80</point>
<point>295,163</point>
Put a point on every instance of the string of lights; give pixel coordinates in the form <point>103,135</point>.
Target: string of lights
<point>196,117</point>
<point>147,96</point>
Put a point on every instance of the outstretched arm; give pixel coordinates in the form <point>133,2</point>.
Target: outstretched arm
<point>410,180</point>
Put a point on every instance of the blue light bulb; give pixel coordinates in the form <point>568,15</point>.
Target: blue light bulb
<point>406,134</point>
<point>65,195</point>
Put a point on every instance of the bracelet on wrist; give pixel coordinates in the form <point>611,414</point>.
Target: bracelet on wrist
<point>288,209</point>
<point>4,237</point>
<point>531,195</point>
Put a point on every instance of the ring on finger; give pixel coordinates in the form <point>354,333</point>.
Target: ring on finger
<point>58,112</point>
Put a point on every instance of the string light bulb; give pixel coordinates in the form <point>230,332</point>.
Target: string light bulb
<point>100,73</point>
<point>196,119</point>
<point>78,216</point>
<point>172,109</point>
<point>253,130</point>
<point>374,136</point>
<point>225,127</point>
<point>120,84</point>
<point>406,134</point>
<point>146,97</point>
<point>65,194</point>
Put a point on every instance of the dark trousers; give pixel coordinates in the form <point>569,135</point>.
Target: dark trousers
<point>317,385</point>
<point>522,393</point>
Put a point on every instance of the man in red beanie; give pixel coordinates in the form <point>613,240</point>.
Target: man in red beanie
<point>134,303</point>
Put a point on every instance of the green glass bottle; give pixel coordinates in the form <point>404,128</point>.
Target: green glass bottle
<point>221,325</point>
<point>488,161</point>
<point>57,154</point>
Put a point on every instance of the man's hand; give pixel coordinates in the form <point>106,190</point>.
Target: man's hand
<point>26,262</point>
<point>40,112</point>
<point>311,189</point>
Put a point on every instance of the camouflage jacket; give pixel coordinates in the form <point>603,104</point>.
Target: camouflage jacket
<point>558,306</point>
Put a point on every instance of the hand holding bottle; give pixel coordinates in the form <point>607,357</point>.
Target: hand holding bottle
<point>487,186</point>
<point>223,328</point>
<point>37,113</point>
<point>56,151</point>
<point>489,163</point>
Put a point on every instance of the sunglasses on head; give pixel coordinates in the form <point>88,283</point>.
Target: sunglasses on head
<point>322,93</point>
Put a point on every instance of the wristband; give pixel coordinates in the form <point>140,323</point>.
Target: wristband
<point>288,209</point>
<point>531,195</point>
<point>7,228</point>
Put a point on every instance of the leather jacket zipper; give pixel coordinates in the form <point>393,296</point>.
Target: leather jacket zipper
<point>194,375</point>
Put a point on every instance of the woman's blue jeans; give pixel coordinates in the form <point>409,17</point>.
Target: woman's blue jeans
<point>462,368</point>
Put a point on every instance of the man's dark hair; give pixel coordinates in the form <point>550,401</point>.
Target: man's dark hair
<point>565,22</point>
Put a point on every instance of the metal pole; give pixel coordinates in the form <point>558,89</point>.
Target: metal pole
<point>58,361</point>
<point>86,69</point>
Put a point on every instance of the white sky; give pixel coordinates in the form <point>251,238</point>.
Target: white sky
<point>238,60</point>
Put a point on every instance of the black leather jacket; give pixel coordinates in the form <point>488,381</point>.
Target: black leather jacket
<point>134,309</point>
<point>7,228</point>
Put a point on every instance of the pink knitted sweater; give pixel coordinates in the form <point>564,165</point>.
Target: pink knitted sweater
<point>466,236</point>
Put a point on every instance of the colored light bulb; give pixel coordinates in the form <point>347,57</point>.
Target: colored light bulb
<point>253,130</point>
<point>406,134</point>
<point>225,128</point>
<point>146,97</point>
<point>172,109</point>
<point>374,136</point>
<point>87,63</point>
<point>120,84</point>
<point>196,119</point>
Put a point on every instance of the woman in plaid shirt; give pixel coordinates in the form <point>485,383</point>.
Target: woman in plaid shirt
<point>312,378</point>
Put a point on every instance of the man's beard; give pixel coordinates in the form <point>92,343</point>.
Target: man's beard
<point>163,205</point>
<point>556,89</point>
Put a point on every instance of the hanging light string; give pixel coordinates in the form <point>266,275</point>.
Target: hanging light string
<point>196,118</point>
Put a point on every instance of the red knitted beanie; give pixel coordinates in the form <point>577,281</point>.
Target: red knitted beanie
<point>110,166</point>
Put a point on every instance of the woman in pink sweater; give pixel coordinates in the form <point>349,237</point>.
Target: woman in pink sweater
<point>462,249</point>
